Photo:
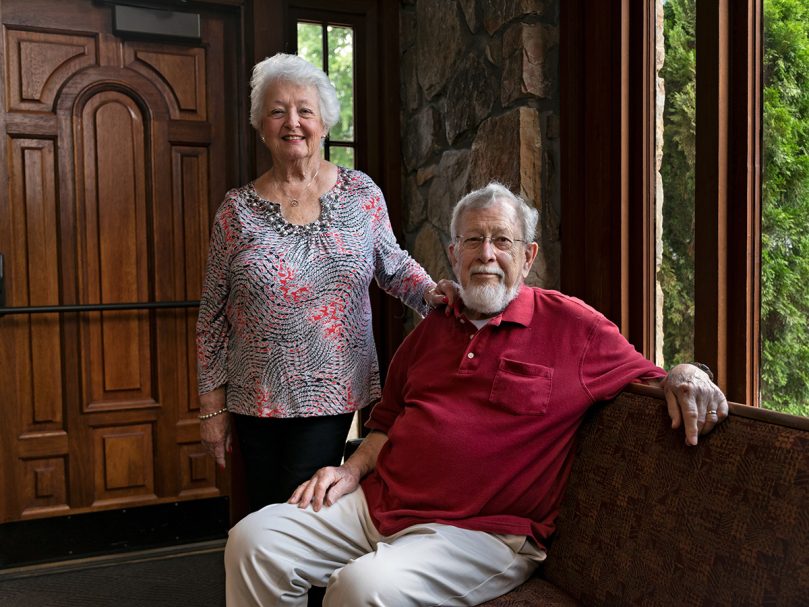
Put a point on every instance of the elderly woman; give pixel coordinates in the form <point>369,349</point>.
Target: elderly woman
<point>284,336</point>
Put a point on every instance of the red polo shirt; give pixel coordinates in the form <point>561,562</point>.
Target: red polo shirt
<point>480,424</point>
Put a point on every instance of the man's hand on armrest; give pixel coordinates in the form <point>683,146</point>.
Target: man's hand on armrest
<point>331,483</point>
<point>694,401</point>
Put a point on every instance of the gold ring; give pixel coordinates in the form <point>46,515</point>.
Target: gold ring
<point>712,412</point>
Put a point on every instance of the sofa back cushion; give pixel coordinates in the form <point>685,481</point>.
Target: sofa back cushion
<point>648,521</point>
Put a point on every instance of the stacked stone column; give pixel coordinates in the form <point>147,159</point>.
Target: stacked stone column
<point>480,101</point>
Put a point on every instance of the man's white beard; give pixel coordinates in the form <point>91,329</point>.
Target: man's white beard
<point>488,299</point>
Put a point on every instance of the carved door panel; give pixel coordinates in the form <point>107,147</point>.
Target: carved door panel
<point>115,151</point>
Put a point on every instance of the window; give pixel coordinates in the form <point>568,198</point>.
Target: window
<point>783,245</point>
<point>331,48</point>
<point>722,41</point>
<point>609,67</point>
<point>784,325</point>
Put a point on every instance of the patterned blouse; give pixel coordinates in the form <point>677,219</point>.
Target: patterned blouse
<point>285,316</point>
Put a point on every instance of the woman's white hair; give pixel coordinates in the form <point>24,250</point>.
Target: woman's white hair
<point>298,71</point>
<point>486,197</point>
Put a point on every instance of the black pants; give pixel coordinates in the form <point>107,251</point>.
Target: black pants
<point>279,454</point>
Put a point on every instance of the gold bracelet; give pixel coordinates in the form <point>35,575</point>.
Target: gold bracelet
<point>214,413</point>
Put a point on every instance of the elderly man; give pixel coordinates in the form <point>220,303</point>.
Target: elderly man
<point>451,497</point>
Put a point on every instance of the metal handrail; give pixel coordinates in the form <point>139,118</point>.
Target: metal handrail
<point>97,307</point>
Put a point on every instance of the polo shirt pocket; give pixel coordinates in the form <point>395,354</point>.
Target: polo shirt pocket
<point>524,388</point>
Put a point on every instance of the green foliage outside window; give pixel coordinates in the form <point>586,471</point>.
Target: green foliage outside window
<point>310,43</point>
<point>676,275</point>
<point>785,198</point>
<point>785,208</point>
<point>341,72</point>
<point>342,156</point>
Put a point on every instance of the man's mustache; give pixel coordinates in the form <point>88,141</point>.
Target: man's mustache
<point>487,270</point>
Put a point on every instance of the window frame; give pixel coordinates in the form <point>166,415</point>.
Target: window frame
<point>357,25</point>
<point>607,133</point>
<point>728,194</point>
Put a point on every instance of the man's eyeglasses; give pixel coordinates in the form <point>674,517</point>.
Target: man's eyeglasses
<point>474,243</point>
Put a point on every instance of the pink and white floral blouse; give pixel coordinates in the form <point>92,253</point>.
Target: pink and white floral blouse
<point>285,316</point>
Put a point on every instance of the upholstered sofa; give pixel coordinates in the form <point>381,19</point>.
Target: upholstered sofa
<point>648,521</point>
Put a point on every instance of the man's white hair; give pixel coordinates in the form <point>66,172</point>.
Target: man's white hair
<point>488,196</point>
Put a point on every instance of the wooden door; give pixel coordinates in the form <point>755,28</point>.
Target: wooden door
<point>115,153</point>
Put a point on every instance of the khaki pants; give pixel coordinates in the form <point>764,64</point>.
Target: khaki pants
<point>275,555</point>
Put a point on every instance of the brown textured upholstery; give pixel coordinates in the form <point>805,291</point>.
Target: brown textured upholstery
<point>535,591</point>
<point>648,521</point>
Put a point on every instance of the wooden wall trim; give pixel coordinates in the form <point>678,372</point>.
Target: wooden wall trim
<point>590,69</point>
<point>607,89</point>
<point>571,129</point>
<point>727,205</point>
<point>744,195</point>
<point>710,204</point>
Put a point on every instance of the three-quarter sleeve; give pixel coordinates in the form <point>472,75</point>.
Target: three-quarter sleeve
<point>396,272</point>
<point>212,322</point>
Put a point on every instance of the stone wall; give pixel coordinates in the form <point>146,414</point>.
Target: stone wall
<point>480,101</point>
